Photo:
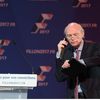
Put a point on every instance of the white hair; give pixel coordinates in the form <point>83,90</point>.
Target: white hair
<point>74,23</point>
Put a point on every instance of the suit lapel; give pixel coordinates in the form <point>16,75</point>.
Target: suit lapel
<point>84,50</point>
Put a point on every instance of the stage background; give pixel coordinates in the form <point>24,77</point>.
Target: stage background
<point>30,31</point>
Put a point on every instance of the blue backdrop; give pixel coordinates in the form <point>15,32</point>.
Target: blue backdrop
<point>30,31</point>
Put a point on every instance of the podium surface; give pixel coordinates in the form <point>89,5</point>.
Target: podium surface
<point>15,86</point>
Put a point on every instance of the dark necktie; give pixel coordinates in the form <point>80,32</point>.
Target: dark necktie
<point>76,86</point>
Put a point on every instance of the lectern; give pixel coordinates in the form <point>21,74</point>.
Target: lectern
<point>15,86</point>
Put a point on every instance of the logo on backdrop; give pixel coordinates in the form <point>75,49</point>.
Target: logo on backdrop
<point>89,25</point>
<point>3,43</point>
<point>40,51</point>
<point>81,4</point>
<point>41,25</point>
<point>7,24</point>
<point>42,76</point>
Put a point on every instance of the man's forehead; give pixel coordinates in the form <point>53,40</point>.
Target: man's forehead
<point>74,26</point>
<point>73,30</point>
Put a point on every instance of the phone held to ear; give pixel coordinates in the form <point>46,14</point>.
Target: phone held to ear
<point>62,52</point>
<point>65,40</point>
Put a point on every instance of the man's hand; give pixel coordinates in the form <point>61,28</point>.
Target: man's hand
<point>61,45</point>
<point>66,64</point>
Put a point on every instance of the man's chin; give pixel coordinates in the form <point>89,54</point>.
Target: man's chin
<point>74,45</point>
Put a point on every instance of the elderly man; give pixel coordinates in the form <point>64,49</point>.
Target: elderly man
<point>87,83</point>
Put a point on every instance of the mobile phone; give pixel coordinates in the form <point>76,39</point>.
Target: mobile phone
<point>66,41</point>
<point>62,52</point>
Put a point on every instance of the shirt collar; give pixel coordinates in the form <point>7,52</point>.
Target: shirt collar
<point>81,46</point>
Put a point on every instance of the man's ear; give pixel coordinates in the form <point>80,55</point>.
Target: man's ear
<point>83,35</point>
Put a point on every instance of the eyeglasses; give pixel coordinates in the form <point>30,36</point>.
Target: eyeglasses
<point>75,35</point>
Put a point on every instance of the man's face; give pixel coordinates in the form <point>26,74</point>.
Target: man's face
<point>74,35</point>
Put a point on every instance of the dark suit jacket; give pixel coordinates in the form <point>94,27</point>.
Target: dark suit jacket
<point>89,80</point>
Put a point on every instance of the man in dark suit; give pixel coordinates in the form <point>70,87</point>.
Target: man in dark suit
<point>89,56</point>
